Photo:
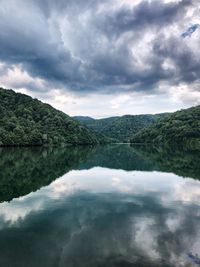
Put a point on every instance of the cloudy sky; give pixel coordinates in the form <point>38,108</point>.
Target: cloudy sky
<point>102,57</point>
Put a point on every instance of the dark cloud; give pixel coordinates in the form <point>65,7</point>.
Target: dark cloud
<point>187,66</point>
<point>190,31</point>
<point>97,45</point>
<point>146,14</point>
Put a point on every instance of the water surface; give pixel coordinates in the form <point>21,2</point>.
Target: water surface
<point>109,206</point>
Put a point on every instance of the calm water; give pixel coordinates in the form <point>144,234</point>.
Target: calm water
<point>99,207</point>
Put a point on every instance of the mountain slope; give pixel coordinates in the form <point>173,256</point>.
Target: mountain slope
<point>181,128</point>
<point>28,121</point>
<point>120,128</point>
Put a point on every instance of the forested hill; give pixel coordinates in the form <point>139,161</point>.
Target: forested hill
<point>181,128</point>
<point>120,128</point>
<point>28,121</point>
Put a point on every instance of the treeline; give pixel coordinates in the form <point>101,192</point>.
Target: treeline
<point>180,128</point>
<point>27,121</point>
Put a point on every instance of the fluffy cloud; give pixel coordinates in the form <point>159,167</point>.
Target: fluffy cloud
<point>99,47</point>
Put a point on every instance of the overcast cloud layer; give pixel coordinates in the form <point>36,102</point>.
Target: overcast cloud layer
<point>102,58</point>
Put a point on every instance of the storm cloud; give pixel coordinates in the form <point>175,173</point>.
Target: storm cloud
<point>97,46</point>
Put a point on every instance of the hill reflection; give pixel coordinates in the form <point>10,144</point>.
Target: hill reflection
<point>24,170</point>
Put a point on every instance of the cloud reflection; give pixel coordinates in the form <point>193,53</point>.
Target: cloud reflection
<point>103,217</point>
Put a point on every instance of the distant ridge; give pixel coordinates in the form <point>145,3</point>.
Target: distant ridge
<point>83,118</point>
<point>120,128</point>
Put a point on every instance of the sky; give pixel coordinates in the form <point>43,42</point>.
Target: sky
<point>102,58</point>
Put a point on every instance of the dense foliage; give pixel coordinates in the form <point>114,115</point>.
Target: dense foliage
<point>28,121</point>
<point>181,128</point>
<point>119,128</point>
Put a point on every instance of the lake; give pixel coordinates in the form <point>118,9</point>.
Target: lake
<point>106,206</point>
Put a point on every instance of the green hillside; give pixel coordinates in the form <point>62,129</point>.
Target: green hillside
<point>180,128</point>
<point>28,121</point>
<point>119,128</point>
